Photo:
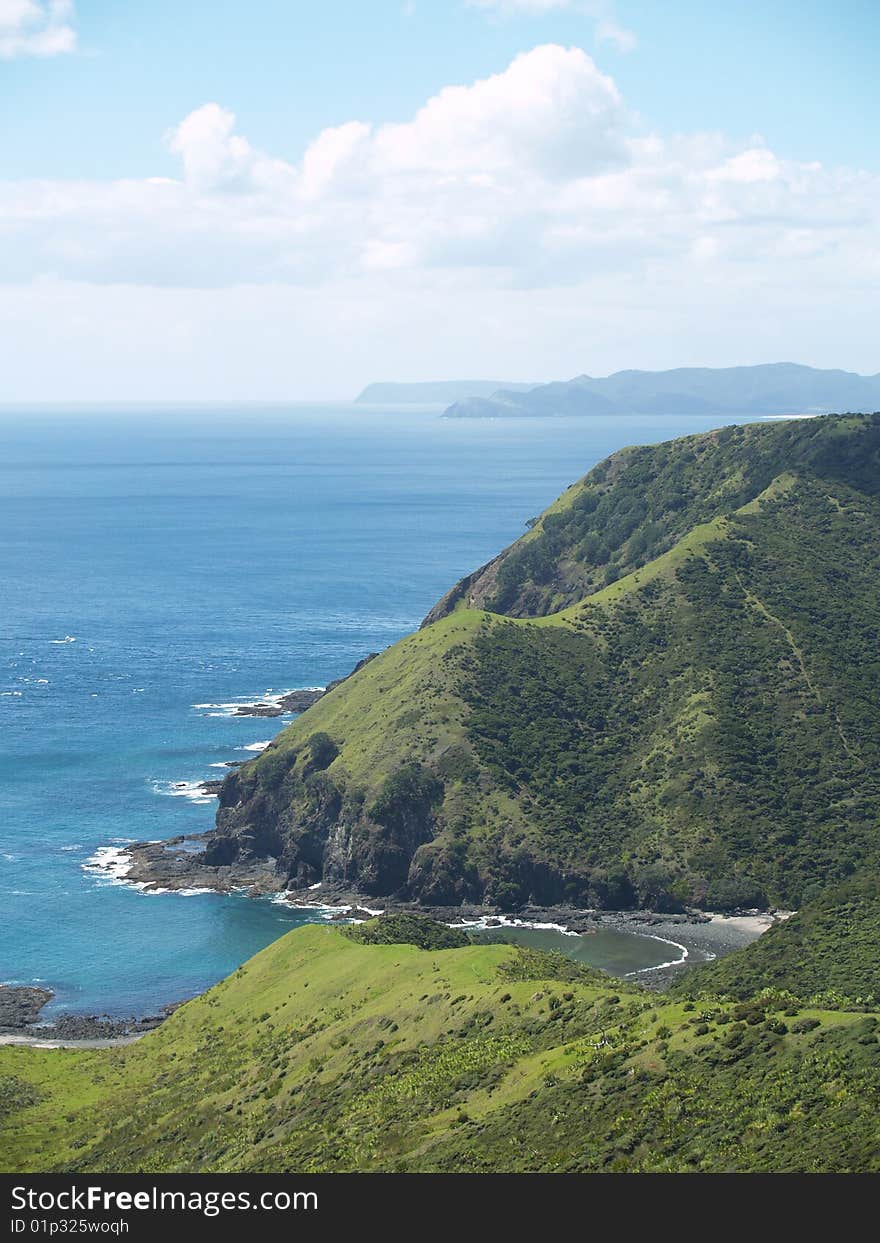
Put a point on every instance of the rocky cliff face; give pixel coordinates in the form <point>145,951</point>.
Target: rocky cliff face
<point>317,828</point>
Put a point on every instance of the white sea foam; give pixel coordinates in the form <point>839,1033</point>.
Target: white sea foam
<point>270,698</point>
<point>256,746</point>
<point>110,864</point>
<point>219,710</point>
<point>190,790</point>
<point>486,923</point>
<point>673,962</point>
<point>11,694</point>
<point>325,910</point>
<point>68,638</point>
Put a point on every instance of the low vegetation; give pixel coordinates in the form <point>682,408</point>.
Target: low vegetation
<point>326,1054</point>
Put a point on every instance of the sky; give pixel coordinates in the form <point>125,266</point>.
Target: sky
<point>281,200</point>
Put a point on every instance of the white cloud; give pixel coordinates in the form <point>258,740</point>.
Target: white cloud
<point>36,28</point>
<point>550,112</point>
<point>524,220</point>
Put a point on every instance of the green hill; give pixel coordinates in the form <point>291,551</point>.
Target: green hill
<point>829,947</point>
<point>665,693</point>
<point>323,1053</point>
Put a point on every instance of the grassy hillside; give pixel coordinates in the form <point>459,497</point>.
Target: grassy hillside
<point>696,722</point>
<point>829,947</point>
<point>323,1053</point>
<point>641,501</point>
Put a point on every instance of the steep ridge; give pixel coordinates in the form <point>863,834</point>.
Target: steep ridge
<point>640,501</point>
<point>669,696</point>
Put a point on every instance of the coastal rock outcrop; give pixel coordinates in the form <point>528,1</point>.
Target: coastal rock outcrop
<point>20,1006</point>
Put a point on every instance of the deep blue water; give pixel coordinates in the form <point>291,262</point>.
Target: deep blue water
<point>198,556</point>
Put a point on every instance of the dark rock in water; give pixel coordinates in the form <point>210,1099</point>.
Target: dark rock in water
<point>20,1011</point>
<point>259,709</point>
<point>211,787</point>
<point>178,864</point>
<point>295,701</point>
<point>19,1007</point>
<point>353,912</point>
<point>88,1027</point>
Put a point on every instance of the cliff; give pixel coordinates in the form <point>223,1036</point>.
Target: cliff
<point>665,693</point>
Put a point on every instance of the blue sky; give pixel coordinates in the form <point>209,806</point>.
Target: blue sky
<point>676,182</point>
<point>800,72</point>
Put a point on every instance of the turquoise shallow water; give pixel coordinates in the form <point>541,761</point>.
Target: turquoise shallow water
<point>154,560</point>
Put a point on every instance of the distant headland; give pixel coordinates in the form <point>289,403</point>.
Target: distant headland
<point>435,392</point>
<point>767,389</point>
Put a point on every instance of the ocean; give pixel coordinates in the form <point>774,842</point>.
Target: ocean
<point>159,565</point>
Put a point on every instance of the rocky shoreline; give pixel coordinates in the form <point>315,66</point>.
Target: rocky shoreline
<point>175,865</point>
<point>296,701</point>
<point>703,935</point>
<point>178,865</point>
<point>283,705</point>
<point>20,1007</point>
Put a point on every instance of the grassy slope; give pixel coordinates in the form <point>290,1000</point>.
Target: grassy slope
<point>399,706</point>
<point>324,1054</point>
<point>640,501</point>
<point>828,947</point>
<point>716,718</point>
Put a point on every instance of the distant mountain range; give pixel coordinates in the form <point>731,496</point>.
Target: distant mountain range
<point>773,388</point>
<point>436,392</point>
